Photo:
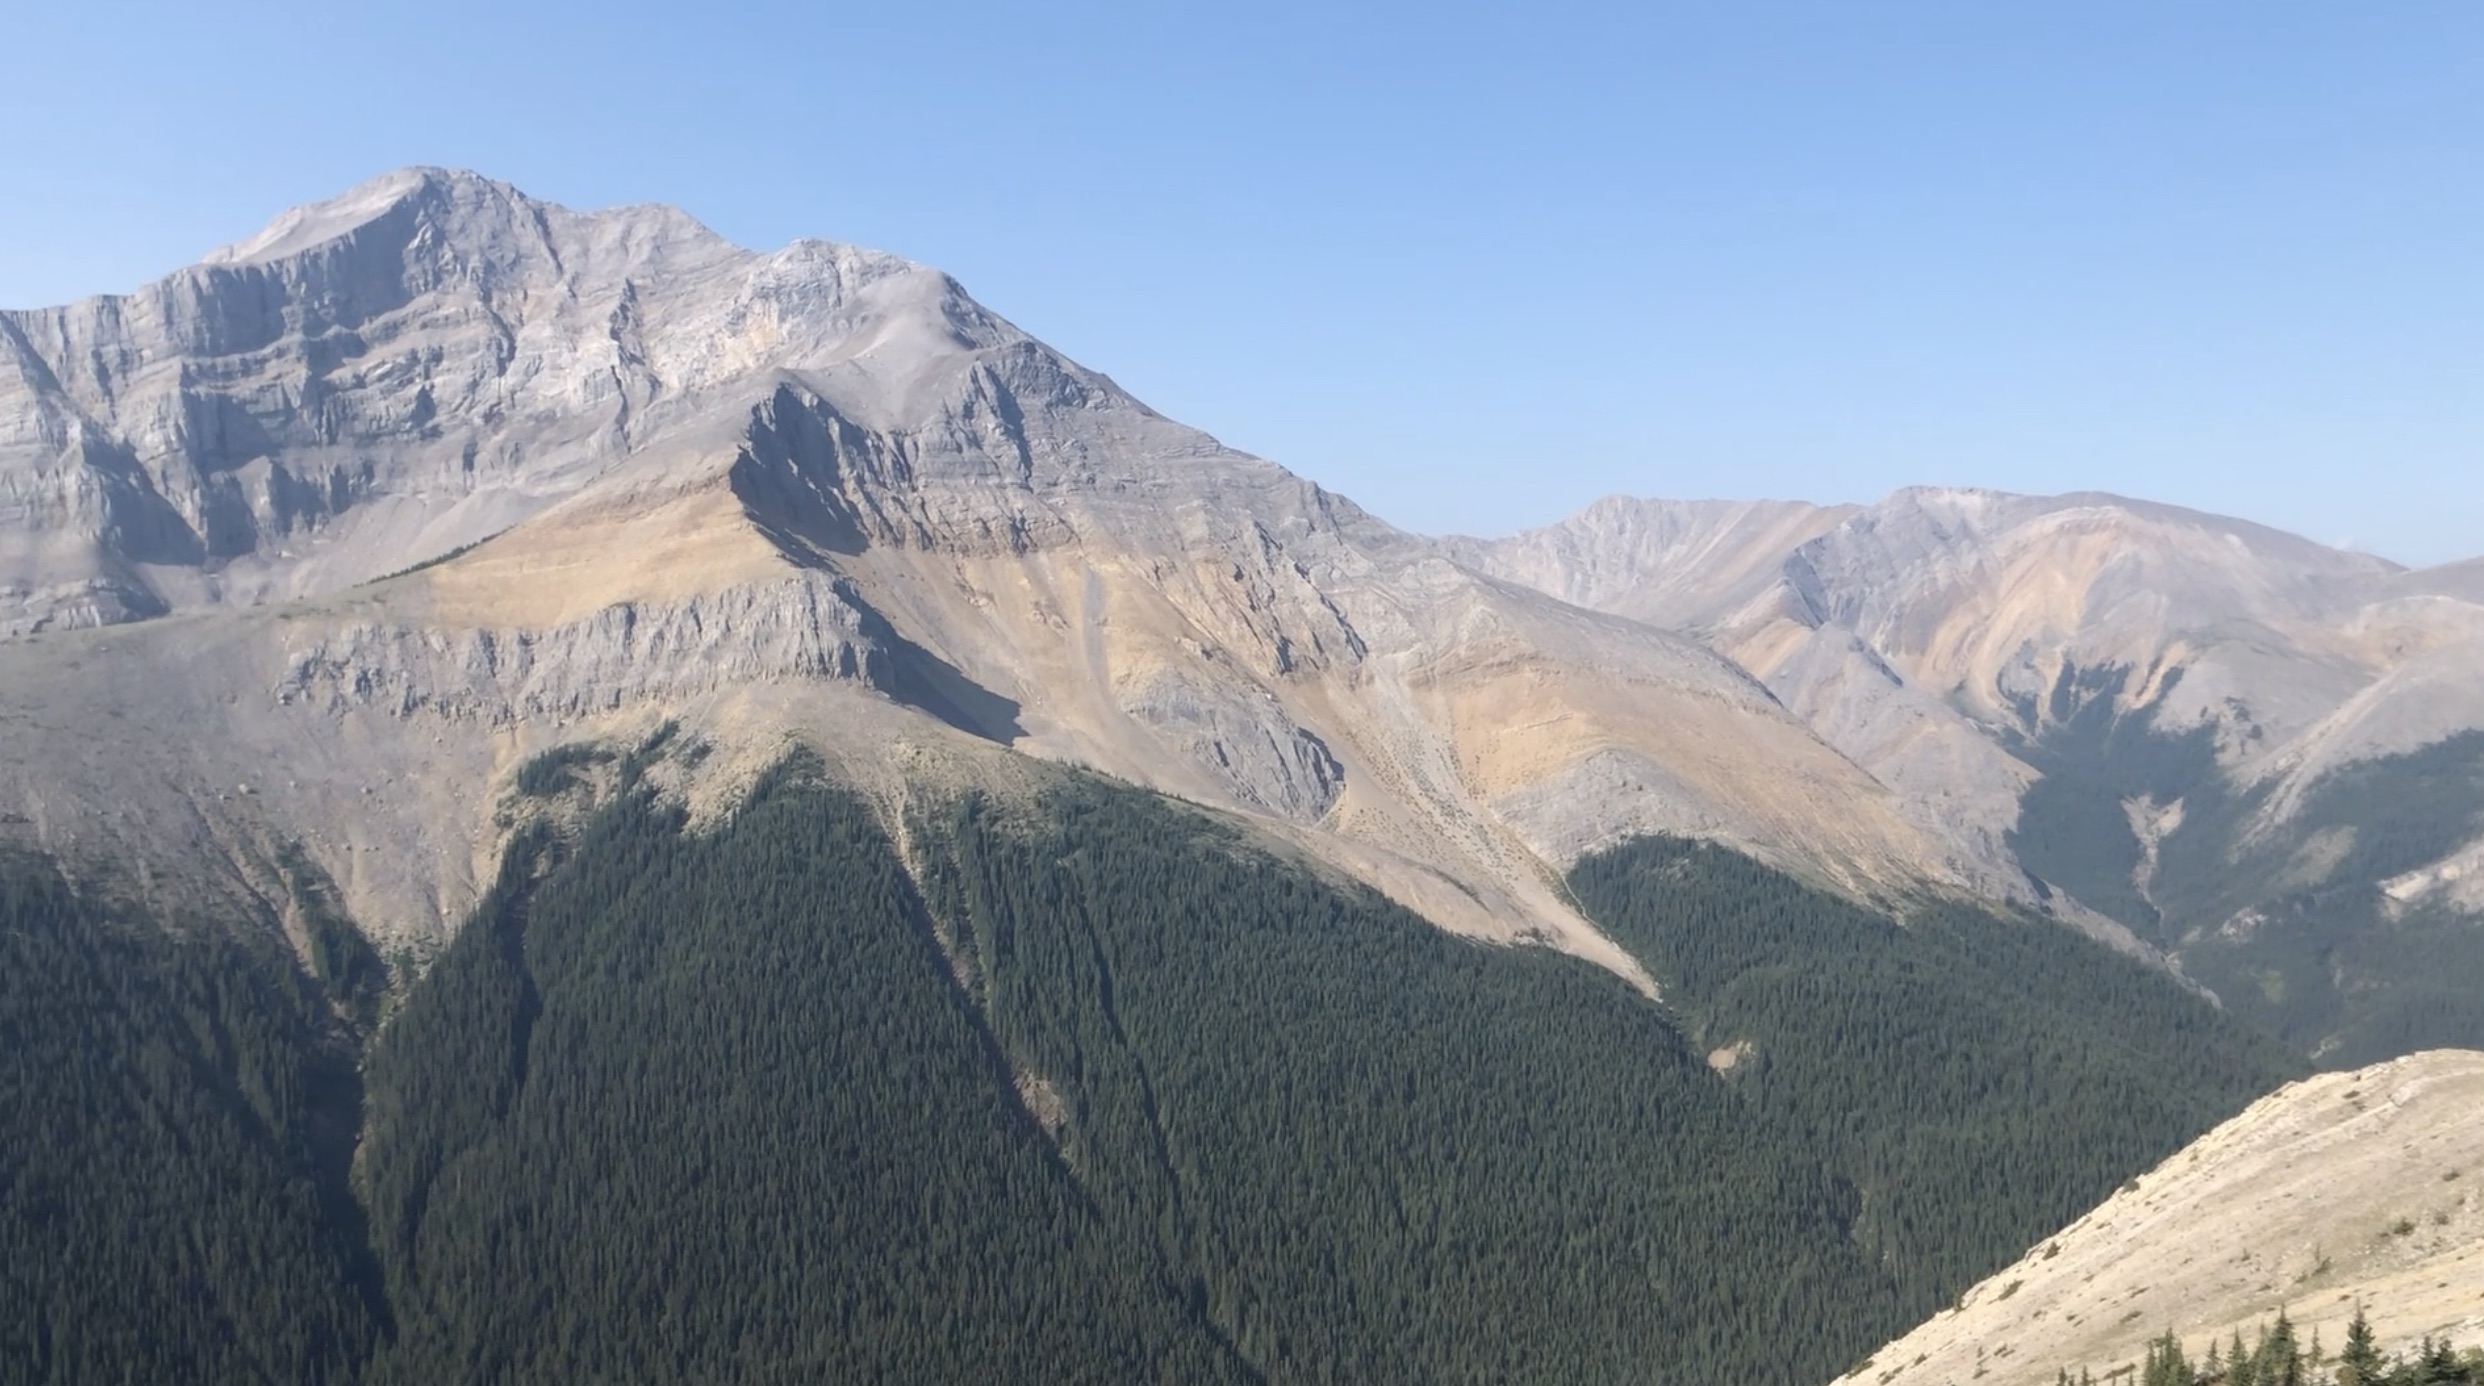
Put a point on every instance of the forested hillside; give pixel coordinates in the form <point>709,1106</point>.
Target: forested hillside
<point>2284,917</point>
<point>176,1111</point>
<point>708,1107</point>
<point>1978,1079</point>
<point>1088,1087</point>
<point>2327,960</point>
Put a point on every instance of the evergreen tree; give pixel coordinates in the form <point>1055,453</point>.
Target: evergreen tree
<point>2437,1364</point>
<point>2276,1358</point>
<point>2242,1366</point>
<point>2167,1365</point>
<point>1083,1087</point>
<point>2279,1359</point>
<point>2359,1362</point>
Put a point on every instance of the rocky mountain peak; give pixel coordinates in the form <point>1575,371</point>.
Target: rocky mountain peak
<point>458,204</point>
<point>414,365</point>
<point>371,251</point>
<point>1676,564</point>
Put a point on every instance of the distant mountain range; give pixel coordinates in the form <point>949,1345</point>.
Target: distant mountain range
<point>2258,754</point>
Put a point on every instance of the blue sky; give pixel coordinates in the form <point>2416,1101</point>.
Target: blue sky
<point>1473,265</point>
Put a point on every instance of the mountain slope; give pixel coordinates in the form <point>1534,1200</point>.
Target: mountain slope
<point>712,1104</point>
<point>630,709</point>
<point>1677,565</point>
<point>739,1076</point>
<point>176,1114</point>
<point>2348,1188</point>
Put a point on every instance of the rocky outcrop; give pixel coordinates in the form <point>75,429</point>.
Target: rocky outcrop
<point>629,653</point>
<point>1243,737</point>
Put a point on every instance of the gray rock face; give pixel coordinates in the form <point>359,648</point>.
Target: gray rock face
<point>416,365</point>
<point>801,627</point>
<point>1261,757</point>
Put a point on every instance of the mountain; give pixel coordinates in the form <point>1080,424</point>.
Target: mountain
<point>2349,1188</point>
<point>2249,751</point>
<point>581,801</point>
<point>1676,565</point>
<point>578,802</point>
<point>646,474</point>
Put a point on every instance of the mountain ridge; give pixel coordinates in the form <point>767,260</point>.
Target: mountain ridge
<point>654,700</point>
<point>2127,699</point>
<point>635,465</point>
<point>619,467</point>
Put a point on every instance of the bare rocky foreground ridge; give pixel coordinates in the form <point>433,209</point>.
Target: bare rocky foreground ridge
<point>2366,1186</point>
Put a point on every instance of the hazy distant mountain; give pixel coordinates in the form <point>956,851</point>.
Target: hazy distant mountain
<point>2205,729</point>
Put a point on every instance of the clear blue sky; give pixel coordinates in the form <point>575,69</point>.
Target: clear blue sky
<point>1473,265</point>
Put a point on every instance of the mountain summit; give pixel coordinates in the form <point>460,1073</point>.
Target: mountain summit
<point>424,361</point>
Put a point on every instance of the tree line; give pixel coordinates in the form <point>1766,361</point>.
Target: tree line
<point>2277,1356</point>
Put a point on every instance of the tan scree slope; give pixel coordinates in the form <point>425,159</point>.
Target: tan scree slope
<point>2365,1186</point>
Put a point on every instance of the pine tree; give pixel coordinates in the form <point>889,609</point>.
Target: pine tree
<point>2359,1363</point>
<point>2167,1365</point>
<point>2280,1359</point>
<point>2242,1369</point>
<point>2439,1365</point>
